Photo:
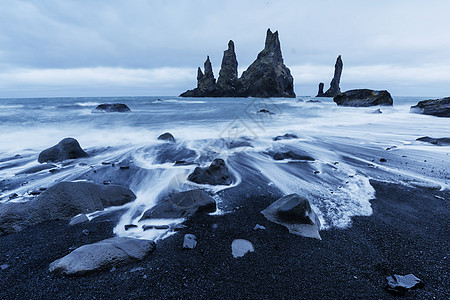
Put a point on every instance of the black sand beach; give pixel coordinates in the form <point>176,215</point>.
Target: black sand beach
<point>407,233</point>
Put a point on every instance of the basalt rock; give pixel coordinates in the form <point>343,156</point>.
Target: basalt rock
<point>334,89</point>
<point>114,107</point>
<point>266,77</point>
<point>363,98</point>
<point>216,174</point>
<point>167,137</point>
<point>68,148</point>
<point>435,141</point>
<point>320,93</point>
<point>436,107</point>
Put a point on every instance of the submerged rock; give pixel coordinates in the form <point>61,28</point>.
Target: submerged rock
<point>102,255</point>
<point>167,137</point>
<point>240,247</point>
<point>68,148</point>
<point>182,205</point>
<point>437,141</point>
<point>400,284</point>
<point>363,98</point>
<point>216,174</point>
<point>266,77</point>
<point>286,136</point>
<point>295,213</point>
<point>111,107</point>
<point>436,107</point>
<point>62,201</point>
<point>334,89</point>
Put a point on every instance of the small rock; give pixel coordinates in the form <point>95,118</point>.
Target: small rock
<point>4,267</point>
<point>257,226</point>
<point>190,241</point>
<point>112,269</point>
<point>159,227</point>
<point>128,226</point>
<point>111,107</point>
<point>216,174</point>
<point>167,137</point>
<point>285,137</point>
<point>265,111</point>
<point>240,247</point>
<point>68,148</point>
<point>400,284</point>
<point>85,232</point>
<point>383,160</point>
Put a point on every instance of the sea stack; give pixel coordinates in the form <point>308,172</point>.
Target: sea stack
<point>266,77</point>
<point>320,93</point>
<point>228,75</point>
<point>334,89</point>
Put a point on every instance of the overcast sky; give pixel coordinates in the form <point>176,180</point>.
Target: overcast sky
<point>137,47</point>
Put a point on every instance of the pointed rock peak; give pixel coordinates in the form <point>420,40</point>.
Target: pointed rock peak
<point>208,68</point>
<point>272,41</point>
<point>231,45</point>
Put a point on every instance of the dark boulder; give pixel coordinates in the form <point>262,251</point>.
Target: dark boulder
<point>68,148</point>
<point>167,137</point>
<point>320,92</point>
<point>62,201</point>
<point>182,205</point>
<point>228,74</point>
<point>267,76</point>
<point>334,89</point>
<point>438,142</point>
<point>290,155</point>
<point>436,107</point>
<point>111,107</point>
<point>286,136</point>
<point>216,174</point>
<point>363,98</point>
<point>295,213</point>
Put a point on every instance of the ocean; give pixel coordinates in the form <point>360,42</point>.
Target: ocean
<point>349,145</point>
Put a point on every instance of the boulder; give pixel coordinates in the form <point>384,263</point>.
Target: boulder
<point>102,255</point>
<point>295,213</point>
<point>363,98</point>
<point>167,137</point>
<point>216,174</point>
<point>320,92</point>
<point>62,201</point>
<point>181,205</point>
<point>334,89</point>
<point>68,148</point>
<point>111,107</point>
<point>436,107</point>
<point>438,141</point>
<point>291,155</point>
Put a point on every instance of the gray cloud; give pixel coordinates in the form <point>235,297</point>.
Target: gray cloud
<point>395,44</point>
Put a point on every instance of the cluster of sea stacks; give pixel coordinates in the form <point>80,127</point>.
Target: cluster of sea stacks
<point>266,77</point>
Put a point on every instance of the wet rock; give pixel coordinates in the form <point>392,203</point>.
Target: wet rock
<point>102,255</point>
<point>68,148</point>
<point>295,213</point>
<point>265,111</point>
<point>184,163</point>
<point>240,247</point>
<point>62,201</point>
<point>216,174</point>
<point>400,284</point>
<point>129,226</point>
<point>189,241</point>
<point>171,153</point>
<point>36,169</point>
<point>313,101</point>
<point>320,92</point>
<point>206,83</point>
<point>334,89</point>
<point>291,155</point>
<point>111,107</point>
<point>286,136</point>
<point>81,218</point>
<point>228,74</point>
<point>435,141</point>
<point>182,205</point>
<point>238,143</point>
<point>377,111</point>
<point>167,137</point>
<point>434,107</point>
<point>159,227</point>
<point>363,98</point>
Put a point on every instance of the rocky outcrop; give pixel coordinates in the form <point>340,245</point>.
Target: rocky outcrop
<point>334,89</point>
<point>363,98</point>
<point>216,174</point>
<point>435,107</point>
<point>102,255</point>
<point>435,141</point>
<point>228,74</point>
<point>266,77</point>
<point>181,205</point>
<point>295,213</point>
<point>62,201</point>
<point>68,148</point>
<point>114,107</point>
<point>320,92</point>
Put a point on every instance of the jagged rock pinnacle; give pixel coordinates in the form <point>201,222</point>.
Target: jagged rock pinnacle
<point>334,89</point>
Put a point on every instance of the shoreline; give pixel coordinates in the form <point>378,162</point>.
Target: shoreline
<point>407,233</point>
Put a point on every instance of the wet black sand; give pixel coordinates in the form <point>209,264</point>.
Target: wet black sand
<point>407,233</point>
